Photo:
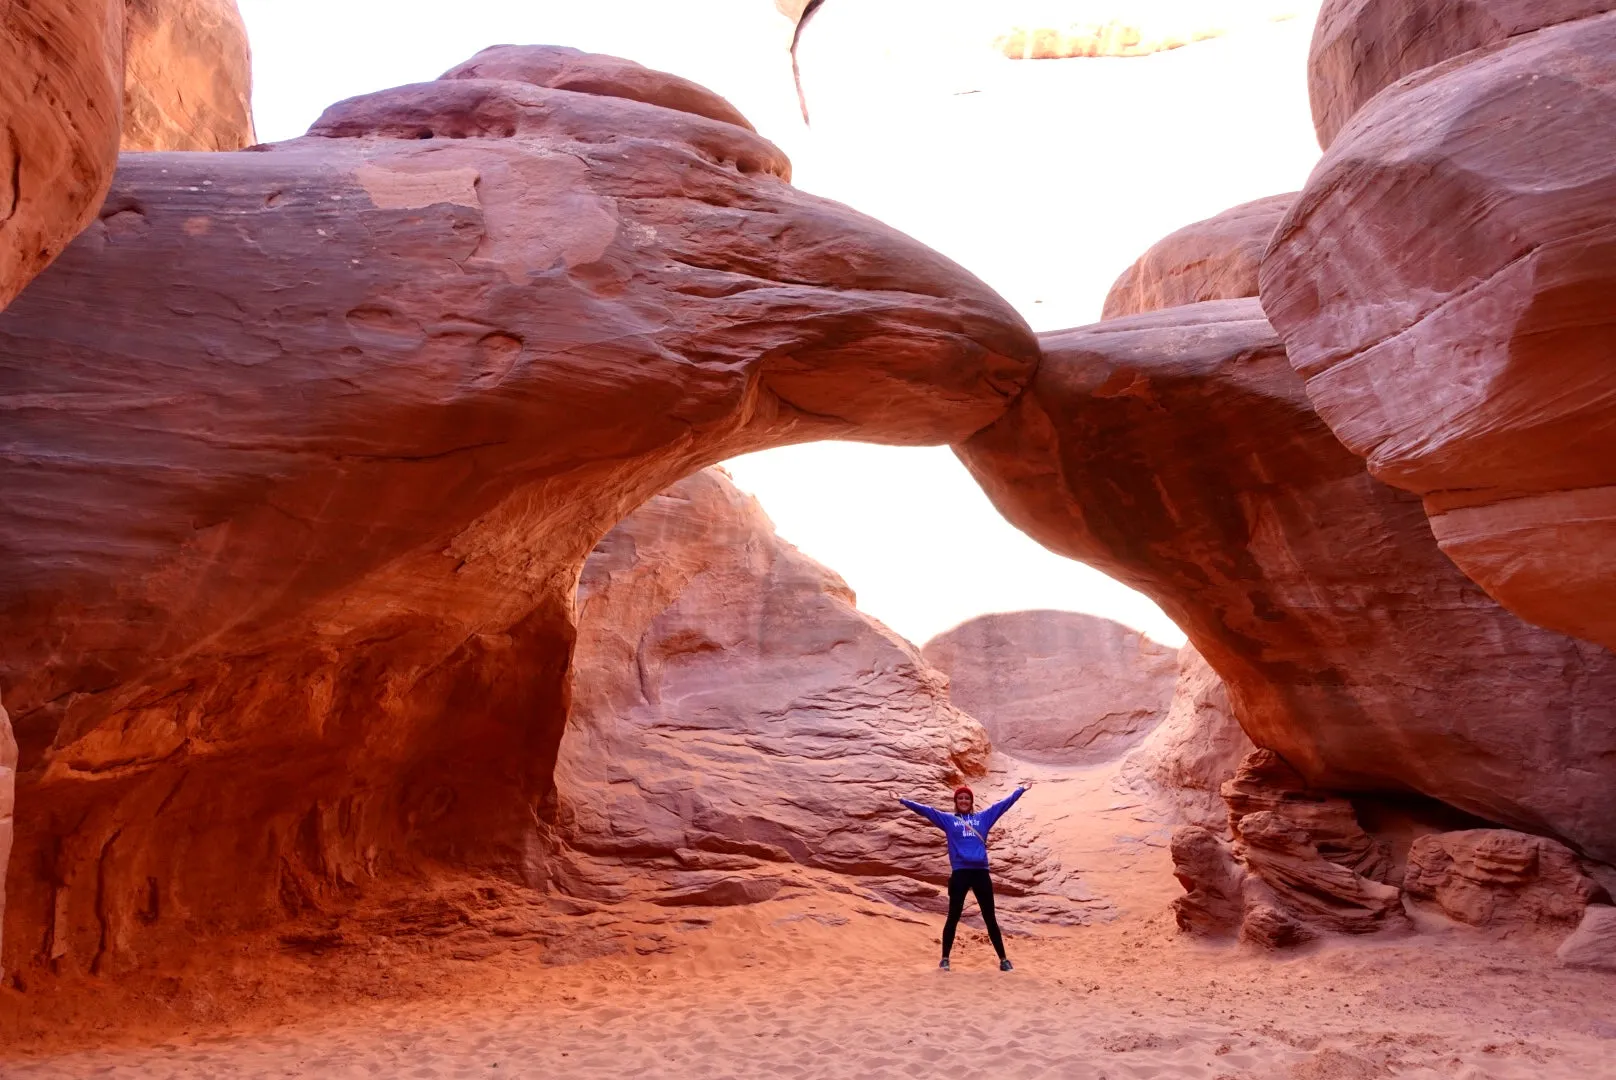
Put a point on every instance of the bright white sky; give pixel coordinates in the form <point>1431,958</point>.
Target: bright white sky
<point>1045,178</point>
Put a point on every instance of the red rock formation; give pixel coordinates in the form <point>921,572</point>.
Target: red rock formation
<point>1177,452</point>
<point>1212,904</point>
<point>188,76</point>
<point>1593,943</point>
<point>1056,686</point>
<point>1488,877</point>
<point>1300,865</point>
<point>294,523</point>
<point>1184,762</point>
<point>733,712</point>
<point>1360,47</point>
<point>61,67</point>
<point>1444,285</point>
<point>1215,259</point>
<point>1134,29</point>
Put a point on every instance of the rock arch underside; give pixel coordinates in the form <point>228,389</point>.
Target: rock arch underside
<point>307,447</point>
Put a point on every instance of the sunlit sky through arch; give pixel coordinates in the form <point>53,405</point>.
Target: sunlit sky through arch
<point>1044,178</point>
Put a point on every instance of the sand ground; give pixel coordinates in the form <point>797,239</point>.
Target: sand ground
<point>827,985</point>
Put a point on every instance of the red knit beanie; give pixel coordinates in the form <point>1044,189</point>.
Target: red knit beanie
<point>966,790</point>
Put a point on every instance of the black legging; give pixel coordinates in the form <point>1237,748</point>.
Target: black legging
<point>959,883</point>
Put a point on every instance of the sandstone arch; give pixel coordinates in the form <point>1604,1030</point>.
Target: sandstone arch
<point>306,445</point>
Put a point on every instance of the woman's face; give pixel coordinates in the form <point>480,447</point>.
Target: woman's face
<point>963,802</point>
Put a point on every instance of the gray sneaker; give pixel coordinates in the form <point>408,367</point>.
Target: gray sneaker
<point>1005,965</point>
<point>944,965</point>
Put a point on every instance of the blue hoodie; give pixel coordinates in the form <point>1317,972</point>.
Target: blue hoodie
<point>967,833</point>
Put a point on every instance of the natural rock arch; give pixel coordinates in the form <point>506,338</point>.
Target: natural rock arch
<point>297,515</point>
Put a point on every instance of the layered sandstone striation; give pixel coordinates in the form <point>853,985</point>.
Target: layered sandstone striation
<point>1057,687</point>
<point>295,522</point>
<point>61,74</point>
<point>1299,865</point>
<point>1488,877</point>
<point>1183,764</point>
<point>188,76</point>
<point>1360,47</point>
<point>1178,452</point>
<point>1443,285</point>
<point>1215,259</point>
<point>735,715</point>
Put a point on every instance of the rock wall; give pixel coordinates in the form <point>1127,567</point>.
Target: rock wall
<point>1177,451</point>
<point>61,70</point>
<point>1183,763</point>
<point>1056,686</point>
<point>734,714</point>
<point>1360,47</point>
<point>295,522</point>
<point>1443,284</point>
<point>1215,259</point>
<point>188,76</point>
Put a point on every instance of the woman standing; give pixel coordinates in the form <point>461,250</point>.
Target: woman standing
<point>967,833</point>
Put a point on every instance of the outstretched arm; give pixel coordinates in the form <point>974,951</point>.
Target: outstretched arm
<point>992,814</point>
<point>933,816</point>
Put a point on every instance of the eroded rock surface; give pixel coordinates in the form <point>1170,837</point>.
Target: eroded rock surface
<point>1593,943</point>
<point>1177,452</point>
<point>1360,47</point>
<point>1299,866</point>
<point>61,79</point>
<point>188,76</point>
<point>1443,284</point>
<point>1184,762</point>
<point>295,522</point>
<point>1488,877</point>
<point>734,714</point>
<point>1215,259</point>
<point>1057,686</point>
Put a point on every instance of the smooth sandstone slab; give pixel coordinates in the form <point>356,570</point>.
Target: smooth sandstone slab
<point>295,521</point>
<point>1178,452</point>
<point>1215,259</point>
<point>1443,285</point>
<point>61,85</point>
<point>1057,686</point>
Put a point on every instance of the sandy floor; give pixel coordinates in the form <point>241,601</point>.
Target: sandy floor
<point>776,991</point>
<point>827,985</point>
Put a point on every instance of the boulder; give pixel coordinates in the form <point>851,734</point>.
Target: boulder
<point>734,713</point>
<point>1177,452</point>
<point>1184,762</point>
<point>1443,284</point>
<point>1360,47</point>
<point>61,70</point>
<point>1057,686</point>
<point>1215,259</point>
<point>295,522</point>
<point>1593,943</point>
<point>1491,877</point>
<point>1212,904</point>
<point>188,76</point>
